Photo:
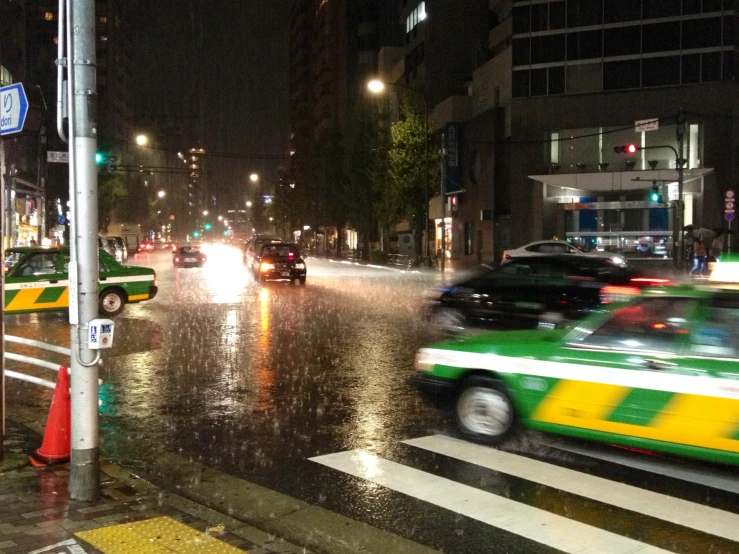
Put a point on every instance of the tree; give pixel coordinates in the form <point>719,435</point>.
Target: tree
<point>111,195</point>
<point>407,186</point>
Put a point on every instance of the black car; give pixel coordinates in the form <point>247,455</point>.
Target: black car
<point>189,256</point>
<point>279,261</point>
<point>528,292</point>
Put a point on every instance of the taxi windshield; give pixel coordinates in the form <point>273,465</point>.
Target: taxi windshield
<point>189,250</point>
<point>279,251</point>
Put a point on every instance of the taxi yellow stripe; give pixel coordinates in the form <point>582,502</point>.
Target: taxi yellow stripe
<point>690,414</point>
<point>137,297</point>
<point>579,403</point>
<point>26,300</point>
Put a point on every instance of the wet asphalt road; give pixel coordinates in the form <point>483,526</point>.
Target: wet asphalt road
<point>256,379</point>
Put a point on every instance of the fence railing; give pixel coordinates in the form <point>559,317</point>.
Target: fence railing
<point>34,361</point>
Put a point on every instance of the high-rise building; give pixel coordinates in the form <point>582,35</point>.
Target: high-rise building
<point>587,75</point>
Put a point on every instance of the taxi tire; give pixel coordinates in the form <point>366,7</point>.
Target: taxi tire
<point>112,291</point>
<point>478,389</point>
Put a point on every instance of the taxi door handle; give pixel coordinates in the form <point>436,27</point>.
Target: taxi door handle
<point>102,278</point>
<point>658,365</point>
<point>54,281</point>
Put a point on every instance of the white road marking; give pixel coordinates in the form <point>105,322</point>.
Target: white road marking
<point>532,523</point>
<point>660,506</point>
<point>714,478</point>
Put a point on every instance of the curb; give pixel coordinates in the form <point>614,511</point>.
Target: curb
<point>253,512</point>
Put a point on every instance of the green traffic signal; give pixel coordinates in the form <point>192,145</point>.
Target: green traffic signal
<point>208,226</point>
<point>655,197</point>
<point>196,234</point>
<point>99,158</point>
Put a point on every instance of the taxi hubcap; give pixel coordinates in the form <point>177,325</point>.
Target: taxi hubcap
<point>485,411</point>
<point>111,302</point>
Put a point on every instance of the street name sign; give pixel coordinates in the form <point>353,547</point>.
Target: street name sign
<point>646,125</point>
<point>13,109</point>
<point>56,157</point>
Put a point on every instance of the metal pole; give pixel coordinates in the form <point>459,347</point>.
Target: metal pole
<point>2,313</point>
<point>680,205</point>
<point>427,190</point>
<point>443,204</point>
<point>9,223</point>
<point>84,480</point>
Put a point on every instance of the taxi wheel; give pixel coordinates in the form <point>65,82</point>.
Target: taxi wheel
<point>485,413</point>
<point>112,302</point>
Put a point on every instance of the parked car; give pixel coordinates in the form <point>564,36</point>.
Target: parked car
<point>555,247</point>
<point>115,249</point>
<point>528,291</point>
<point>121,245</point>
<point>189,256</point>
<point>39,281</point>
<point>253,247</point>
<point>658,373</point>
<point>279,261</point>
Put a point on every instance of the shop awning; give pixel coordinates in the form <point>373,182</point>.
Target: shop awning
<point>609,181</point>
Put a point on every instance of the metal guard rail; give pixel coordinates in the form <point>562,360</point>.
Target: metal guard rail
<point>33,361</point>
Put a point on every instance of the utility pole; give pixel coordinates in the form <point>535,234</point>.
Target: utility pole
<point>443,202</point>
<point>2,305</point>
<point>680,223</point>
<point>84,479</point>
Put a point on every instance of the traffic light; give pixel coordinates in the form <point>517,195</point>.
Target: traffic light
<point>626,149</point>
<point>196,234</point>
<point>207,226</point>
<point>107,161</point>
<point>655,196</point>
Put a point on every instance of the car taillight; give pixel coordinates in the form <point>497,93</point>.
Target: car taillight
<point>614,293</point>
<point>177,259</point>
<point>650,281</point>
<point>506,256</point>
<point>291,256</point>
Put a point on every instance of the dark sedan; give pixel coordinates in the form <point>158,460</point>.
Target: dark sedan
<point>189,256</point>
<point>279,262</point>
<point>529,292</point>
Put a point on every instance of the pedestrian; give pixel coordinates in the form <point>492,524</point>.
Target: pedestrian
<point>717,247</point>
<point>699,256</point>
<point>33,242</point>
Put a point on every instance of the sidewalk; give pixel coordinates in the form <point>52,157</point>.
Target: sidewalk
<point>132,515</point>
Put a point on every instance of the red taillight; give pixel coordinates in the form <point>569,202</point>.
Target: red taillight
<point>651,281</point>
<point>177,259</point>
<point>506,256</point>
<point>291,255</point>
<point>614,293</point>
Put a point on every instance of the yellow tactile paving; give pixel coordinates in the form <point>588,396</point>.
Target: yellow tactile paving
<point>159,535</point>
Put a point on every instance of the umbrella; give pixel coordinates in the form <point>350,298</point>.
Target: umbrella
<point>723,231</point>
<point>703,234</point>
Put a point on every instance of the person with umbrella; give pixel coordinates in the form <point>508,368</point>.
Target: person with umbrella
<point>699,256</point>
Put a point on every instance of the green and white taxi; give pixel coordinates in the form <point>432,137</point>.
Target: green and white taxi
<point>37,280</point>
<point>659,373</point>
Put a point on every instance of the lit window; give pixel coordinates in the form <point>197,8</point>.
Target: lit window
<point>49,16</point>
<point>103,19</point>
<point>421,11</point>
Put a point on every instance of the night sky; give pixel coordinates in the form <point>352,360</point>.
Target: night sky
<point>241,70</point>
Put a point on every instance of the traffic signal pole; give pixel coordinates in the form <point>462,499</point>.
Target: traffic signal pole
<point>84,479</point>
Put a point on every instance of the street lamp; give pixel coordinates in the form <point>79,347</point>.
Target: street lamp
<point>142,140</point>
<point>248,203</point>
<point>220,218</point>
<point>254,177</point>
<point>161,194</point>
<point>375,86</point>
<point>205,212</point>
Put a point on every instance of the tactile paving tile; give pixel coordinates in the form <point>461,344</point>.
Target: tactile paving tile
<point>154,536</point>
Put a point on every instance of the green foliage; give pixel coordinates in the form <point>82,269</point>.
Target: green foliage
<point>378,256</point>
<point>112,193</point>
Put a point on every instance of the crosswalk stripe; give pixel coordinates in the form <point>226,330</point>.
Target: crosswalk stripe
<point>707,477</point>
<point>660,506</point>
<point>532,523</point>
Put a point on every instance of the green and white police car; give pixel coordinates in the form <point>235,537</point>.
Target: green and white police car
<point>659,373</point>
<point>37,280</point>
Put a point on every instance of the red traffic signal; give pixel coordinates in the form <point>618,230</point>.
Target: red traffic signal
<point>626,149</point>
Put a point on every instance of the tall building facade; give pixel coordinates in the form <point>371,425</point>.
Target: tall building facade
<point>586,75</point>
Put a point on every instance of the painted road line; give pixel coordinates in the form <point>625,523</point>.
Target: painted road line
<point>532,523</point>
<point>659,506</point>
<point>713,478</point>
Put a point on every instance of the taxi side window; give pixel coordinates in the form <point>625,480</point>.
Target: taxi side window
<point>718,335</point>
<point>651,324</point>
<point>42,263</point>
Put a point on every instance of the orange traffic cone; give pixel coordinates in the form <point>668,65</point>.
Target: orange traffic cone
<point>57,444</point>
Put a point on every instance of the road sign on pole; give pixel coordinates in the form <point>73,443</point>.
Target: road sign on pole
<point>729,216</point>
<point>55,157</point>
<point>13,109</point>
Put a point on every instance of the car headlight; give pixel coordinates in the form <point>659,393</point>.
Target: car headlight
<point>299,265</point>
<point>618,260</point>
<point>266,267</point>
<point>423,362</point>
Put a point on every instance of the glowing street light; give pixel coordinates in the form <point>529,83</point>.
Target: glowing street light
<point>161,194</point>
<point>205,212</point>
<point>254,177</point>
<point>376,86</point>
<point>142,140</point>
<point>220,218</point>
<point>248,203</point>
